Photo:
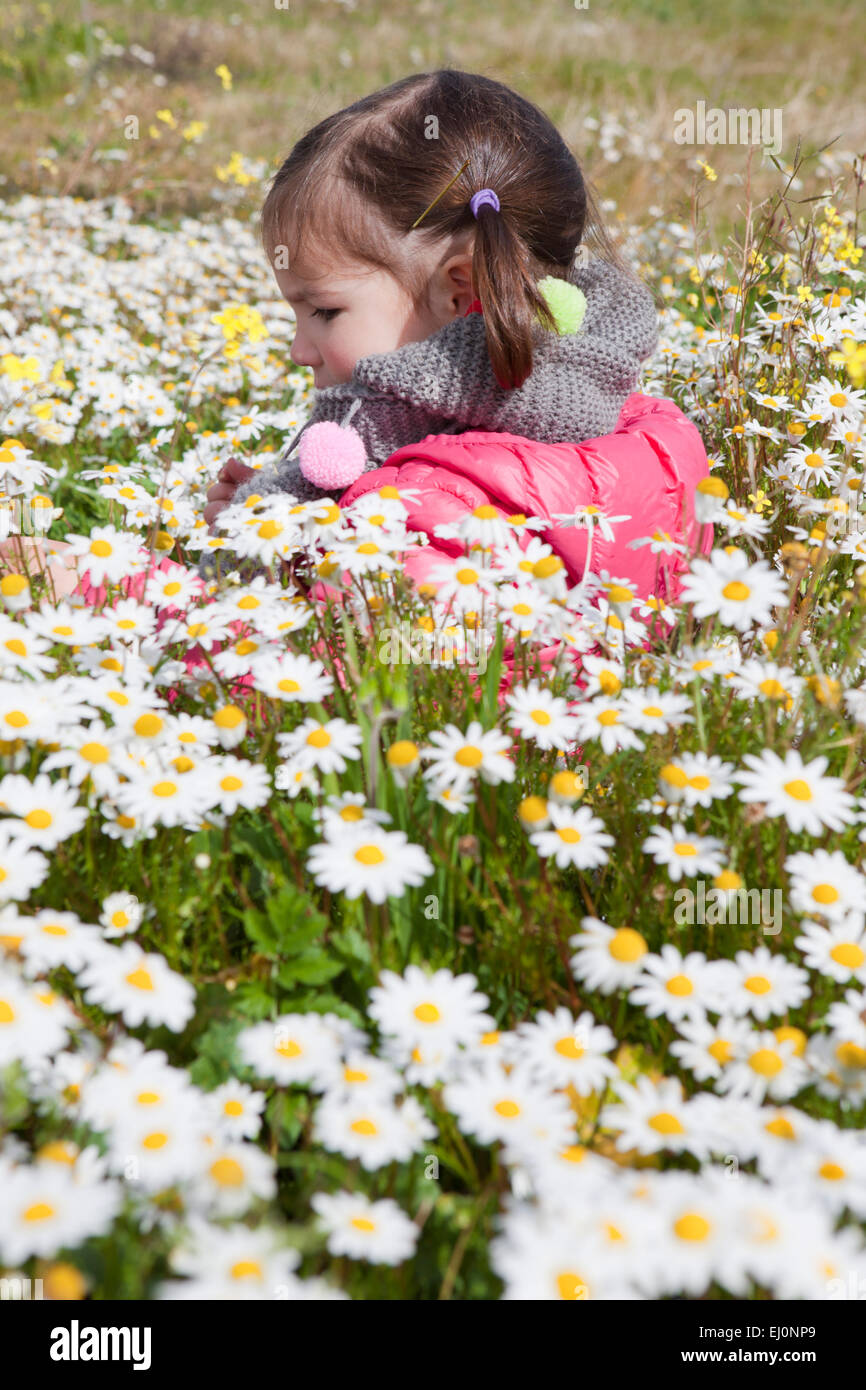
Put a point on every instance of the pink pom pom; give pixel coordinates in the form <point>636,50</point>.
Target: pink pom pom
<point>331,455</point>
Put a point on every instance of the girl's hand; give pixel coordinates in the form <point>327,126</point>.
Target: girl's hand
<point>41,556</point>
<point>220,493</point>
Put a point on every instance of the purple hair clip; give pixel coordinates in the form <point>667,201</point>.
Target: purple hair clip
<point>484,195</point>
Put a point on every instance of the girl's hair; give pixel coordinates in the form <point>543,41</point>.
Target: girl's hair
<point>357,181</point>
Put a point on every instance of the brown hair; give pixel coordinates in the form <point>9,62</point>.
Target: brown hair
<point>397,149</point>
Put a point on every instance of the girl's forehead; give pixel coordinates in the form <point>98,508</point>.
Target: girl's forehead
<point>315,279</point>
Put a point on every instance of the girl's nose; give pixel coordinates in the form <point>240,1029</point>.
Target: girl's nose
<point>303,354</point>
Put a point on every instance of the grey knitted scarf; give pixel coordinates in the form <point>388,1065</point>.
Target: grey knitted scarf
<point>445,383</point>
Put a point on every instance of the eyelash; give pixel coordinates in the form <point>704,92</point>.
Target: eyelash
<point>326,314</point>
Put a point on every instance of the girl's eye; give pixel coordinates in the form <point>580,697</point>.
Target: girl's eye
<point>326,314</point>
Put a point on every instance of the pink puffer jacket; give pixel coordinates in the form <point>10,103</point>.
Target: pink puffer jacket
<point>648,469</point>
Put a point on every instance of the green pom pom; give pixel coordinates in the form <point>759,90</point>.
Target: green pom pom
<point>566,302</point>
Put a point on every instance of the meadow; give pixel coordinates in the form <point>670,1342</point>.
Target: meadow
<point>328,975</point>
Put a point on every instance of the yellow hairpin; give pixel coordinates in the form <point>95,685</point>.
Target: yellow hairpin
<point>439,195</point>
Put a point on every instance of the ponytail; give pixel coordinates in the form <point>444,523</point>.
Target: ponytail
<point>510,300</point>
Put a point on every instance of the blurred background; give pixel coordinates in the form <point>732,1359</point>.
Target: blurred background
<point>181,105</point>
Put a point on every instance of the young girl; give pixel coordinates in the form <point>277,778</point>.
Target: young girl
<point>409,232</point>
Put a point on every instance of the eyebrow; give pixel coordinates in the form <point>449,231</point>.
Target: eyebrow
<point>302,298</point>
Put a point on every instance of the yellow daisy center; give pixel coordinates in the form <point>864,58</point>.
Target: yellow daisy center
<point>799,790</point>
<point>627,945</point>
<point>757,984</point>
<point>369,855</point>
<point>825,893</point>
<point>692,1226</point>
<point>680,985</point>
<point>849,954</point>
<point>766,1062</point>
<point>227,1172</point>
<point>736,590</point>
<point>665,1123</point>
<point>140,979</point>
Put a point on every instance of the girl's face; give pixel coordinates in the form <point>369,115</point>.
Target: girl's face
<point>351,312</point>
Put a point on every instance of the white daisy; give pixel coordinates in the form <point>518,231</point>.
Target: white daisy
<point>47,811</point>
<point>154,794</point>
<point>23,1034</point>
<point>576,837</point>
<point>121,914</point>
<point>236,782</point>
<point>368,859</point>
<point>563,1051</point>
<point>837,951</point>
<point>764,1067</point>
<point>294,1049</point>
<point>231,1176</point>
<point>543,718</point>
<point>683,853</point>
<point>763,984</point>
<point>456,757</point>
<point>607,958</point>
<point>292,677</point>
<point>510,1108</point>
<point>139,986</point>
<point>371,1129</point>
<point>609,721</point>
<point>106,554</point>
<point>677,986</point>
<point>830,1166</point>
<point>741,592</point>
<point>696,779</point>
<point>229,1263</point>
<point>652,712</point>
<point>705,1048</point>
<point>379,1232</point>
<point>157,1150</point>
<point>350,809</point>
<point>550,1262</point>
<point>420,1010</point>
<point>652,1116</point>
<point>362,1073</point>
<point>43,1210</point>
<point>691,1243</point>
<point>825,884</point>
<point>799,791</point>
<point>59,938</point>
<point>325,747</point>
<point>237,1109</point>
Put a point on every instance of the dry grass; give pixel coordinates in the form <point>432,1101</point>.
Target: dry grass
<point>640,60</point>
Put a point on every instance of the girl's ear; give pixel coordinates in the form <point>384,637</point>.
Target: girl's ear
<point>451,290</point>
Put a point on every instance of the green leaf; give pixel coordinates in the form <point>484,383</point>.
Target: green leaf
<point>314,969</point>
<point>490,698</point>
<point>260,931</point>
<point>286,1113</point>
<point>293,943</point>
<point>294,917</point>
<point>290,924</point>
<point>216,1053</point>
<point>260,844</point>
<point>254,1000</point>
